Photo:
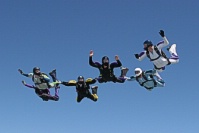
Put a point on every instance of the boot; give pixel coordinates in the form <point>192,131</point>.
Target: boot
<point>172,50</point>
<point>94,89</point>
<point>124,71</point>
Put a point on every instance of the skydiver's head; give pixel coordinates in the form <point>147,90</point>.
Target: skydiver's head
<point>148,45</point>
<point>80,79</point>
<point>138,72</point>
<point>36,71</point>
<point>105,61</point>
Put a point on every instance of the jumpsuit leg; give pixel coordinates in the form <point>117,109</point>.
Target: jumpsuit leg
<point>174,56</point>
<point>79,97</point>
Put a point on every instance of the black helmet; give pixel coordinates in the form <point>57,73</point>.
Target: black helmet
<point>105,60</point>
<point>80,79</point>
<point>147,44</point>
<point>34,70</point>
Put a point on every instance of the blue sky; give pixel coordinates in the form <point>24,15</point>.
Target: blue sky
<point>59,34</point>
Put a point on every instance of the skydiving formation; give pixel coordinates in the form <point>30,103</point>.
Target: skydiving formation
<point>148,79</point>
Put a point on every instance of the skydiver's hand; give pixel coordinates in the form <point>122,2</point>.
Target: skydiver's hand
<point>23,82</point>
<point>136,56</point>
<point>161,33</point>
<point>20,71</point>
<point>91,53</point>
<point>116,57</point>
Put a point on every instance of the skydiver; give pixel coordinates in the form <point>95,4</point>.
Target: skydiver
<point>42,82</point>
<point>156,55</point>
<point>106,69</point>
<point>147,78</point>
<point>82,88</point>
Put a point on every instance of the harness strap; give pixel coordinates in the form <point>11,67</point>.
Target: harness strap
<point>146,80</point>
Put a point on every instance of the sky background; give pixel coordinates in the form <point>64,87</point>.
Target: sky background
<point>60,33</point>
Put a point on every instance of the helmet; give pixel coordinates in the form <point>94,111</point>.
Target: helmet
<point>34,70</point>
<point>80,79</point>
<point>148,43</point>
<point>138,72</point>
<point>105,60</point>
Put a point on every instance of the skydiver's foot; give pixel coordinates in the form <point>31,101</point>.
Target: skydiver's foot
<point>52,72</point>
<point>168,48</point>
<point>94,89</point>
<point>124,71</point>
<point>161,81</point>
<point>172,50</point>
<point>56,98</point>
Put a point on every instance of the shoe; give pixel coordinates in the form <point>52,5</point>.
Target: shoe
<point>94,89</point>
<point>124,71</point>
<point>52,72</point>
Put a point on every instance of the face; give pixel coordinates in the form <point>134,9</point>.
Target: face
<point>145,45</point>
<point>105,66</point>
<point>150,49</point>
<point>136,72</point>
<point>37,71</point>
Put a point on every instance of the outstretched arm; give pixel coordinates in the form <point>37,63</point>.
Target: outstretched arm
<point>69,83</point>
<point>163,43</point>
<point>117,63</point>
<point>91,63</point>
<point>24,74</point>
<point>140,56</point>
<point>28,85</point>
<point>132,78</point>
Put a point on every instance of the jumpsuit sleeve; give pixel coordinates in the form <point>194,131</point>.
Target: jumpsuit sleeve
<point>28,75</point>
<point>163,43</point>
<point>142,55</point>
<point>30,86</point>
<point>70,83</point>
<point>132,78</point>
<point>94,64</point>
<point>116,64</point>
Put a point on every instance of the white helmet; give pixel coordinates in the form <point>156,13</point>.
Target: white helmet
<point>138,72</point>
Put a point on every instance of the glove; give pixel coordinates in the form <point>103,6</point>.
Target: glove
<point>23,82</point>
<point>161,33</point>
<point>136,56</point>
<point>20,71</point>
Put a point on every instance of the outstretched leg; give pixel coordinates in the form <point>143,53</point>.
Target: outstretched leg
<point>157,75</point>
<point>100,80</point>
<point>174,56</point>
<point>79,97</point>
<point>160,83</point>
<point>53,74</point>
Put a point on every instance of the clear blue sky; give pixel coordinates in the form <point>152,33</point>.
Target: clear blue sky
<point>60,33</point>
